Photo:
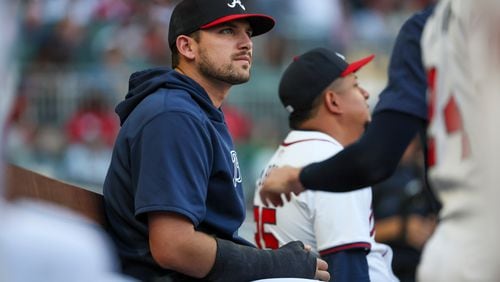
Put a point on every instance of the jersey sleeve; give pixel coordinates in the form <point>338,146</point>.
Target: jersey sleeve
<point>347,266</point>
<point>329,222</point>
<point>172,161</point>
<point>406,89</point>
<point>341,220</point>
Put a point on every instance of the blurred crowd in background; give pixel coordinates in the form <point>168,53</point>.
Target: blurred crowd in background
<point>75,57</point>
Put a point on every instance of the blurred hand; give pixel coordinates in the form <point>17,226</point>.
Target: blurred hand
<point>307,248</point>
<point>280,180</point>
<point>322,270</point>
<point>419,229</point>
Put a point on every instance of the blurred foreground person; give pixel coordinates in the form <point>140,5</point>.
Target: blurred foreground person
<point>461,52</point>
<point>38,241</point>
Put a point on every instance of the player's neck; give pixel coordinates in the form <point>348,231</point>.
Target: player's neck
<point>323,125</point>
<point>217,90</point>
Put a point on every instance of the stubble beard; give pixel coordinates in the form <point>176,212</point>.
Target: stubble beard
<point>226,72</point>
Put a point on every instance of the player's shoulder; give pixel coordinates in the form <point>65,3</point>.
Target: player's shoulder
<point>414,25</point>
<point>301,138</point>
<point>301,148</point>
<point>171,101</point>
<point>162,109</point>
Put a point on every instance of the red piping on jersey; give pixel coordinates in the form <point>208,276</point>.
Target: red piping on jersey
<point>373,228</point>
<point>358,245</point>
<point>284,144</point>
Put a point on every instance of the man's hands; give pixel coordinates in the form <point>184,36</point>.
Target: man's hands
<point>280,180</point>
<point>322,270</point>
<point>322,273</point>
<point>419,229</point>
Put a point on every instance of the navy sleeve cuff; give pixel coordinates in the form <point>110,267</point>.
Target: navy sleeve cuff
<point>348,265</point>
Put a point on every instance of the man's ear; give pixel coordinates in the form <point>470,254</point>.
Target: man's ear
<point>332,102</point>
<point>185,46</point>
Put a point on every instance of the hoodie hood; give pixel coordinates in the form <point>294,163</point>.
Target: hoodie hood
<point>147,82</point>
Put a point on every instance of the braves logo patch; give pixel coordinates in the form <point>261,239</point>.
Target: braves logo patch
<point>232,5</point>
<point>236,166</point>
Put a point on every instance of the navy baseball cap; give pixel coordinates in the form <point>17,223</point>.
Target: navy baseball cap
<point>310,73</point>
<point>191,15</point>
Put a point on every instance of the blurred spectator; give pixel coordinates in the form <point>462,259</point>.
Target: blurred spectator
<point>109,75</point>
<point>239,125</point>
<point>403,211</point>
<point>311,23</point>
<point>37,147</point>
<point>319,22</point>
<point>376,23</point>
<point>86,165</point>
<point>276,51</point>
<point>155,44</point>
<point>60,45</point>
<point>113,9</point>
<point>91,134</point>
<point>94,123</point>
<point>125,35</point>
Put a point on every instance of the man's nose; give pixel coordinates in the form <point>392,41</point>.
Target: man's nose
<point>365,93</point>
<point>246,41</point>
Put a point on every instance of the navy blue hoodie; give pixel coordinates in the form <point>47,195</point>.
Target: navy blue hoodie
<point>173,154</point>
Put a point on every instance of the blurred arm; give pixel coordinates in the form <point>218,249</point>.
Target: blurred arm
<point>370,160</point>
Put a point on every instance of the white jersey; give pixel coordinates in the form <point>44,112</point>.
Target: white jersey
<point>328,222</point>
<point>46,243</point>
<point>461,51</point>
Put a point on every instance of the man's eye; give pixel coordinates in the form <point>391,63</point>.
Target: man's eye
<point>227,31</point>
<point>250,33</point>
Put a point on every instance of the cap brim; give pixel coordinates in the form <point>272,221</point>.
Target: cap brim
<point>355,66</point>
<point>260,23</point>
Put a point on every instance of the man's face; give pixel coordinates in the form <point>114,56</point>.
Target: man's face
<point>354,103</point>
<point>225,52</point>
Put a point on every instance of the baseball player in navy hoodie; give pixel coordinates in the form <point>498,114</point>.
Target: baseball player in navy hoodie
<point>173,193</point>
